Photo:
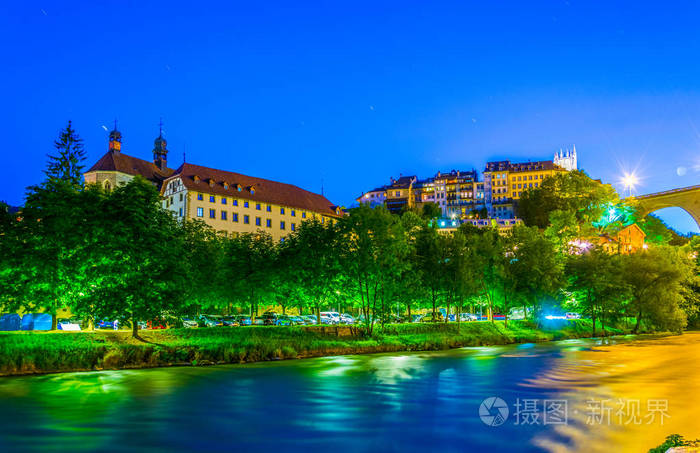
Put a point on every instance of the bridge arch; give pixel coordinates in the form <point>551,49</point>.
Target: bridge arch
<point>686,198</point>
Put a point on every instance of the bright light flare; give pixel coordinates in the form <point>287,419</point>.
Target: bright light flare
<point>629,181</point>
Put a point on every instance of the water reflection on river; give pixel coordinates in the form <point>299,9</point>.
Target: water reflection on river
<point>388,402</point>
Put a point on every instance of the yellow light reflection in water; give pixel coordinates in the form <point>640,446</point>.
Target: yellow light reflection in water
<point>620,377</point>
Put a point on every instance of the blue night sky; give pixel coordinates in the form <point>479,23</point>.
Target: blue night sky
<point>351,93</point>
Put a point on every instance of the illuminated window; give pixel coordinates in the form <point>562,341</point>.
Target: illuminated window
<point>200,212</point>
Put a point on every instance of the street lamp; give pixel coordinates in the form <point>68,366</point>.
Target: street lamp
<point>630,180</point>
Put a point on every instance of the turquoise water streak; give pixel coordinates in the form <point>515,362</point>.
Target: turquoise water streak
<point>387,402</point>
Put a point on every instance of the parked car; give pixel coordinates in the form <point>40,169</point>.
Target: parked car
<point>189,323</point>
<point>230,321</point>
<point>346,318</point>
<point>209,321</point>
<point>466,317</point>
<point>243,320</point>
<point>258,322</point>
<point>67,324</point>
<point>573,315</point>
<point>416,318</point>
<point>309,320</point>
<point>106,324</point>
<point>331,317</point>
<point>269,318</point>
<point>297,320</point>
<point>432,317</point>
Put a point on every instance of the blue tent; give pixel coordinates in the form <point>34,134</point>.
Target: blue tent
<point>36,321</point>
<point>9,321</point>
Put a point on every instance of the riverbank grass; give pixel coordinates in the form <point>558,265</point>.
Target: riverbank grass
<point>49,352</point>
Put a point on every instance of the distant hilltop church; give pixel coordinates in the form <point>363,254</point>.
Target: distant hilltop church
<point>227,201</point>
<point>566,159</point>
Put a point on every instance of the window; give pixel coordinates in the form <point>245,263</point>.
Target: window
<point>212,199</point>
<point>234,216</point>
<point>212,213</point>
<point>257,206</point>
<point>293,226</point>
<point>200,212</point>
<point>269,208</point>
<point>268,223</point>
<point>246,219</point>
<point>180,212</point>
<point>200,197</point>
<point>224,215</point>
<point>257,221</point>
<point>281,210</point>
<point>282,225</point>
<point>293,213</point>
<point>245,204</point>
<point>223,200</point>
<point>303,215</point>
<point>323,219</point>
<point>536,184</point>
<point>398,193</point>
<point>180,197</point>
<point>234,202</point>
<point>513,186</point>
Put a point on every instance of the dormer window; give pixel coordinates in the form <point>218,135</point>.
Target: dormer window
<point>211,182</point>
<point>226,185</point>
<point>239,187</point>
<point>252,189</point>
<point>196,178</point>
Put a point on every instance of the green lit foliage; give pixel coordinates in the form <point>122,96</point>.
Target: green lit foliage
<point>203,254</point>
<point>595,281</point>
<point>431,211</point>
<point>143,272</point>
<point>311,257</point>
<point>657,280</point>
<point>572,192</point>
<point>374,256</point>
<point>248,268</point>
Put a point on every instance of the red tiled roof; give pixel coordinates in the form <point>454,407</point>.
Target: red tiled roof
<point>131,165</point>
<point>264,190</point>
<point>506,165</point>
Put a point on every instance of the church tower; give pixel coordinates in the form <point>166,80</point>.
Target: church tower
<point>115,140</point>
<point>160,151</point>
<point>566,159</point>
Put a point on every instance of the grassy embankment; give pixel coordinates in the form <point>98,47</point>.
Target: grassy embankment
<point>48,352</point>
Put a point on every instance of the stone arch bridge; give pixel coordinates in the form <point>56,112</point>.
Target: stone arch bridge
<point>686,198</point>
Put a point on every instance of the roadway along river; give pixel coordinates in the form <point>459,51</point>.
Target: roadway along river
<point>577,395</point>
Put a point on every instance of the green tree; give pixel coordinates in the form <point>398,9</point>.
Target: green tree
<point>431,211</point>
<point>312,260</point>
<point>487,252</point>
<point>67,164</point>
<point>374,256</point>
<point>656,281</point>
<point>595,281</point>
<point>144,273</point>
<point>573,192</point>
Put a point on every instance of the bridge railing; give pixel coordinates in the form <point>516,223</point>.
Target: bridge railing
<point>668,192</point>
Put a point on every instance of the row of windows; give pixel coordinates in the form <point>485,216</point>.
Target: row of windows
<point>525,186</point>
<point>525,178</point>
<point>223,215</point>
<point>246,204</point>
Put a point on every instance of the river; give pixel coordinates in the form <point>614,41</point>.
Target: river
<point>623,394</point>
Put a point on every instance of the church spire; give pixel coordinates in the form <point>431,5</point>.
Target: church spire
<point>160,150</point>
<point>115,139</point>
